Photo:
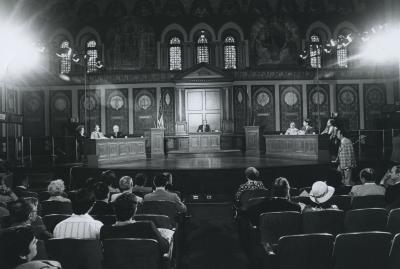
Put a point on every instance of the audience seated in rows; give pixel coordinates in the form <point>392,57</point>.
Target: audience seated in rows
<point>56,190</point>
<point>80,225</point>
<point>320,194</point>
<point>22,189</point>
<point>391,181</point>
<point>101,205</point>
<point>126,186</point>
<point>161,194</point>
<point>18,248</point>
<point>24,213</point>
<point>140,185</point>
<point>368,187</point>
<point>280,201</point>
<point>252,176</point>
<point>126,227</point>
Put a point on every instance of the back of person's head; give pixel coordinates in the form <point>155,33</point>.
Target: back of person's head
<point>251,173</point>
<point>56,187</point>
<point>83,201</point>
<point>367,175</point>
<point>125,206</point>
<point>281,188</point>
<point>90,182</point>
<point>140,179</point>
<point>23,181</point>
<point>342,131</point>
<point>396,170</point>
<point>160,180</point>
<point>110,178</point>
<point>19,211</point>
<point>18,245</point>
<point>125,183</point>
<point>101,191</point>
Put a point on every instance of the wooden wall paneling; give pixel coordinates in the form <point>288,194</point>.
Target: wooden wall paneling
<point>145,111</point>
<point>240,107</point>
<point>263,107</point>
<point>291,105</point>
<point>33,111</point>
<point>318,101</point>
<point>374,99</point>
<point>117,110</point>
<point>168,109</point>
<point>348,105</point>
<point>60,112</point>
<point>93,108</point>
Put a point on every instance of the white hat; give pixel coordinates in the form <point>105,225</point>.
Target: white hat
<point>321,192</point>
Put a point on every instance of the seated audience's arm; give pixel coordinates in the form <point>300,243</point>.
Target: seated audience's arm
<point>164,245</point>
<point>180,207</point>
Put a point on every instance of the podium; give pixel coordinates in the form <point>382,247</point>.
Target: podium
<point>252,138</point>
<point>157,142</point>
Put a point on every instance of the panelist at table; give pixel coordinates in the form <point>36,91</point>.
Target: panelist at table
<point>116,133</point>
<point>292,130</point>
<point>96,134</point>
<point>204,128</point>
<point>307,128</point>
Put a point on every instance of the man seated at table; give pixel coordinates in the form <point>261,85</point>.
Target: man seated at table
<point>307,128</point>
<point>96,134</point>
<point>116,133</point>
<point>204,127</point>
<point>292,130</point>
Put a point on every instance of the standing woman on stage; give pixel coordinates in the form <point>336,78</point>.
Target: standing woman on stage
<point>80,140</point>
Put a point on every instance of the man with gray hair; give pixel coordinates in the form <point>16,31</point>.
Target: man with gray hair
<point>126,186</point>
<point>116,133</point>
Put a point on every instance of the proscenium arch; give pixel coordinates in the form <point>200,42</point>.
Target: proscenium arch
<point>174,27</point>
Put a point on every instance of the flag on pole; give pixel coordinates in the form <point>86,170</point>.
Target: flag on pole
<point>160,118</point>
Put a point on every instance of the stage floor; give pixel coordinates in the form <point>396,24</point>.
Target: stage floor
<point>200,163</point>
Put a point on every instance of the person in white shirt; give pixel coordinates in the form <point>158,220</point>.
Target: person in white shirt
<point>292,129</point>
<point>368,187</point>
<point>80,225</point>
<point>96,134</point>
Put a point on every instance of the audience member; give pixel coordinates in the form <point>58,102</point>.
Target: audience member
<point>320,194</point>
<point>140,185</point>
<point>111,179</point>
<point>391,177</point>
<point>126,227</point>
<point>368,187</point>
<point>252,183</point>
<point>56,190</point>
<point>36,221</point>
<point>101,206</point>
<point>126,186</point>
<point>161,194</point>
<point>22,189</point>
<point>280,201</point>
<point>80,225</point>
<point>391,180</point>
<point>6,194</point>
<point>170,184</point>
<point>346,158</point>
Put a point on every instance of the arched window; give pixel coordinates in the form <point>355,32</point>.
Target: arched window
<point>315,52</point>
<point>203,53</point>
<point>175,53</point>
<point>230,56</point>
<point>342,54</point>
<point>65,58</point>
<point>92,54</point>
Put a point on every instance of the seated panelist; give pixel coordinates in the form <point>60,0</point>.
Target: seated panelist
<point>116,133</point>
<point>204,127</point>
<point>292,130</point>
<point>307,128</point>
<point>96,134</point>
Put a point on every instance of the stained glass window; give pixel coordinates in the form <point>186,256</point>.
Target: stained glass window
<point>92,54</point>
<point>230,53</point>
<point>315,52</point>
<point>175,54</point>
<point>342,55</point>
<point>65,61</point>
<point>202,49</point>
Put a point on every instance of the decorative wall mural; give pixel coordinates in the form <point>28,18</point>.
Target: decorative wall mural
<point>240,97</point>
<point>117,112</point>
<point>263,107</point>
<point>318,106</point>
<point>374,99</point>
<point>60,113</point>
<point>240,108</point>
<point>290,105</point>
<point>60,104</point>
<point>89,107</point>
<point>144,102</point>
<point>145,110</point>
<point>168,109</point>
<point>348,105</point>
<point>116,102</point>
<point>274,40</point>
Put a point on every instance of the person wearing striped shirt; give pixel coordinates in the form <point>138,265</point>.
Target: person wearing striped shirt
<point>80,225</point>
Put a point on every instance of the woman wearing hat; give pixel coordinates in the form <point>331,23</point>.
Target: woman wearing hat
<point>320,194</point>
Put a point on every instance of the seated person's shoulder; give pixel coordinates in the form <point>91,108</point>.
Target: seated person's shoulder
<point>40,265</point>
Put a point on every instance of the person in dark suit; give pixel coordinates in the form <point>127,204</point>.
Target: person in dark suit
<point>101,205</point>
<point>204,127</point>
<point>126,227</point>
<point>307,128</point>
<point>80,140</point>
<point>21,190</point>
<point>279,201</point>
<point>116,133</point>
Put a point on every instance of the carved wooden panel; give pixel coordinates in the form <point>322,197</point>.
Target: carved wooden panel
<point>374,99</point>
<point>33,111</point>
<point>89,109</point>
<point>145,110</point>
<point>117,110</point>
<point>240,108</point>
<point>318,109</point>
<point>263,107</point>
<point>348,105</point>
<point>290,105</point>
<point>204,142</point>
<point>60,112</point>
<point>168,109</point>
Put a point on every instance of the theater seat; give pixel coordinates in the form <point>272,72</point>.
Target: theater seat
<point>343,202</point>
<point>160,221</point>
<point>305,251</point>
<point>75,253</point>
<point>394,256</point>
<point>368,201</point>
<point>368,250</point>
<point>367,219</point>
<point>105,219</point>
<point>56,207</point>
<point>273,225</point>
<point>324,221</point>
<point>128,253</point>
<point>302,199</point>
<point>50,221</point>
<point>247,195</point>
<point>166,208</point>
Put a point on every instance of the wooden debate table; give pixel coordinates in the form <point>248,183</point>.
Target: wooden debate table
<point>301,147</point>
<point>204,142</point>
<point>104,151</point>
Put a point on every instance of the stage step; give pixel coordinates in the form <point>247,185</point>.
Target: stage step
<point>217,153</point>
